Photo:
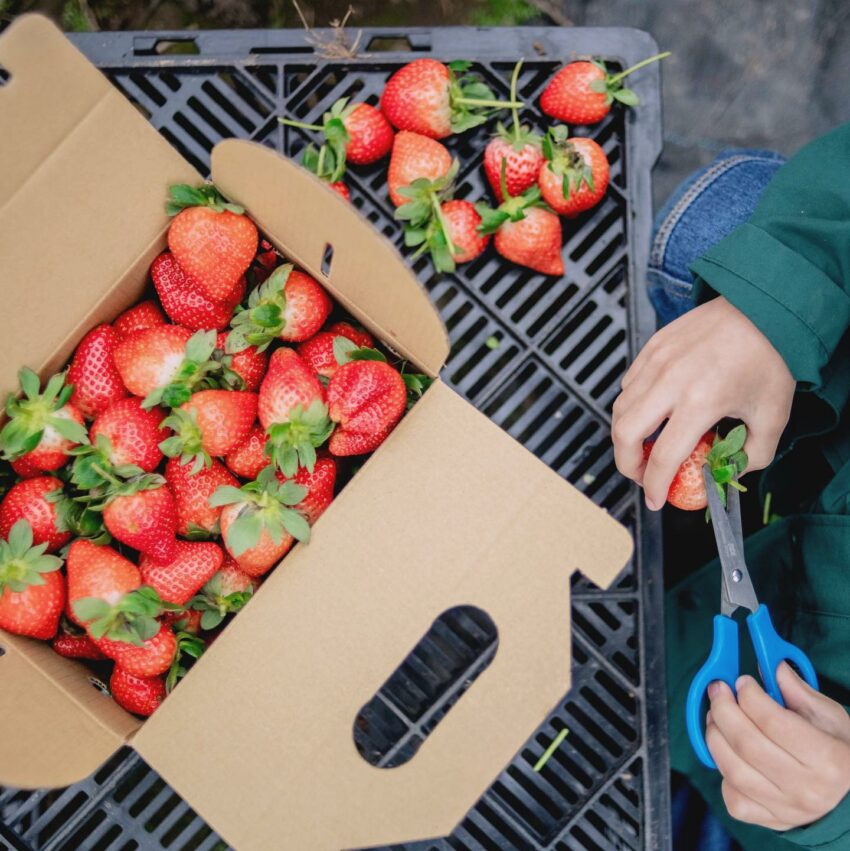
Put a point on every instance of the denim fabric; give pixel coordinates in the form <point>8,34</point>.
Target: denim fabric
<point>703,209</point>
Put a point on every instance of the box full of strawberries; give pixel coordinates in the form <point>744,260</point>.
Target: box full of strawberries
<point>232,478</point>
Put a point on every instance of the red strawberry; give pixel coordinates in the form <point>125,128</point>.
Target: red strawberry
<point>413,157</point>
<point>370,136</point>
<point>188,620</point>
<point>366,398</point>
<point>520,152</point>
<point>267,258</point>
<point>98,572</point>
<point>293,412</point>
<point>152,658</point>
<point>249,364</point>
<point>290,305</point>
<point>249,458</point>
<point>462,223</point>
<point>165,363</point>
<point>139,695</point>
<point>141,513</point>
<point>425,96</point>
<point>583,92</point>
<point>97,383</point>
<point>318,351</point>
<point>341,189</point>
<point>180,579</point>
<point>184,299</point>
<point>124,435</point>
<point>31,500</point>
<point>42,427</point>
<point>25,468</point>
<point>145,314</point>
<point>32,588</point>
<point>226,592</point>
<point>258,523</point>
<point>212,240</point>
<point>575,175</point>
<point>192,492</point>
<point>74,646</point>
<point>320,487</point>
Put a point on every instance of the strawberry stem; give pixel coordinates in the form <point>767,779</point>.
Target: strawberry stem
<point>515,110</point>
<point>290,122</point>
<point>494,104</point>
<point>438,212</point>
<point>623,74</point>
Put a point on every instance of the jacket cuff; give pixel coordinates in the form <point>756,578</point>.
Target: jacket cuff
<point>792,302</point>
<point>830,833</point>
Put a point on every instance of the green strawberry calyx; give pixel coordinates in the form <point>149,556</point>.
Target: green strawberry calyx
<point>33,411</point>
<point>132,620</point>
<point>206,195</point>
<point>728,461</point>
<point>327,161</point>
<point>566,161</point>
<point>292,444</point>
<point>612,85</point>
<point>425,226</point>
<point>93,468</point>
<point>263,319</point>
<point>187,645</point>
<point>100,497</point>
<point>511,209</point>
<point>199,370</point>
<point>346,350</point>
<point>471,100</point>
<point>266,504</point>
<point>78,519</point>
<point>187,442</point>
<point>215,602</point>
<point>21,563</point>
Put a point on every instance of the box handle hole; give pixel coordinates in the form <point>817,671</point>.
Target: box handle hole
<point>390,727</point>
<point>390,44</point>
<point>327,259</point>
<point>100,685</point>
<point>5,76</point>
<point>152,46</point>
<point>2,650</point>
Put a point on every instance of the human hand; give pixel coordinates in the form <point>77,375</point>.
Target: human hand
<point>709,364</point>
<point>781,768</point>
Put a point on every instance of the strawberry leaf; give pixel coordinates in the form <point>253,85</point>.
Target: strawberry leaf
<point>625,96</point>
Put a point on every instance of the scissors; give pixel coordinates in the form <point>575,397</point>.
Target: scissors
<point>736,591</point>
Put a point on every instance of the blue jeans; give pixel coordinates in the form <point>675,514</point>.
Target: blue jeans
<point>704,208</point>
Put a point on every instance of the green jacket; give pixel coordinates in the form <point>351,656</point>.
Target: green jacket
<point>788,270</point>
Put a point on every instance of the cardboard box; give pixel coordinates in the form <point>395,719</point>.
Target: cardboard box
<point>259,737</point>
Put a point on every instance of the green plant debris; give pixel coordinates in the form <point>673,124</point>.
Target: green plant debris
<point>493,343</point>
<point>556,743</point>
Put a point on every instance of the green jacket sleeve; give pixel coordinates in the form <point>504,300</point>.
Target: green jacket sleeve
<point>788,268</point>
<point>831,833</point>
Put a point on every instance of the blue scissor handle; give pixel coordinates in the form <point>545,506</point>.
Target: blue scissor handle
<point>722,664</point>
<point>771,650</point>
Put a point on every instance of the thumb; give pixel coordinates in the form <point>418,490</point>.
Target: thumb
<point>819,710</point>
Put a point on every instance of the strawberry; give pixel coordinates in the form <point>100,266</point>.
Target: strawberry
<point>265,262</point>
<point>32,589</point>
<point>522,156</point>
<point>96,380</point>
<point>461,222</point>
<point>186,620</point>
<point>575,175</point>
<point>42,427</point>
<point>292,410</point>
<point>320,487</point>
<point>212,422</point>
<point>366,398</point>
<point>97,572</point>
<point>525,232</point>
<point>125,441</point>
<point>258,523</point>
<point>76,646</point>
<point>318,351</point>
<point>142,514</point>
<point>149,659</point>
<point>247,459</point>
<point>180,579</point>
<point>583,92</point>
<point>226,592</point>
<point>38,501</point>
<point>166,363</point>
<point>726,459</point>
<point>249,365</point>
<point>139,695</point>
<point>195,516</point>
<point>185,300</point>
<point>212,240</point>
<point>415,156</point>
<point>145,314</point>
<point>290,305</point>
<point>341,189</point>
<point>425,96</point>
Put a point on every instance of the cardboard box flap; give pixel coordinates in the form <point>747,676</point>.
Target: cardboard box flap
<point>81,164</point>
<point>449,511</point>
<point>335,244</point>
<point>58,728</point>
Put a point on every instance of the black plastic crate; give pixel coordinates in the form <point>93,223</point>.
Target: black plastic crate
<point>542,359</point>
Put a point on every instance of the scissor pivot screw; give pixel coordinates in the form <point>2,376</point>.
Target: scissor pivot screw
<point>736,575</point>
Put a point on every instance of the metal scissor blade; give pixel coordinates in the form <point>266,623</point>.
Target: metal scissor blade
<point>737,589</point>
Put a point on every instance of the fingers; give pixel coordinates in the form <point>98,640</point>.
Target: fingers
<point>820,711</point>
<point>631,427</point>
<point>743,808</point>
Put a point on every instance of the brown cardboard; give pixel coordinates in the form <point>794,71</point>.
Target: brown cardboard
<point>449,511</point>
